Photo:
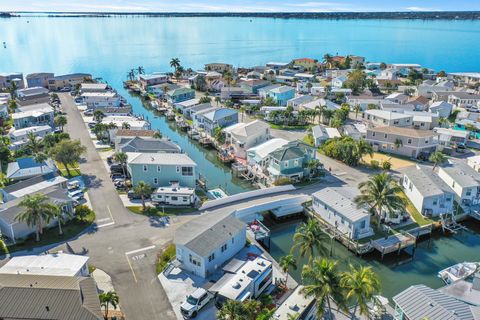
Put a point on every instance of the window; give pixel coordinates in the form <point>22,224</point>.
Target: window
<point>211,257</point>
<point>285,163</point>
<point>409,141</point>
<point>362,224</point>
<point>145,168</point>
<point>325,206</point>
<point>385,136</point>
<point>435,202</point>
<point>224,247</point>
<point>178,169</point>
<point>187,171</point>
<point>373,134</point>
<point>174,198</point>
<point>449,199</point>
<point>155,180</point>
<point>422,124</point>
<point>233,240</point>
<point>426,141</point>
<point>159,168</point>
<point>184,199</point>
<point>469,192</point>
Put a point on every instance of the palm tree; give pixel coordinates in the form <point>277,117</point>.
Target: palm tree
<point>286,263</point>
<point>437,158</point>
<point>98,115</point>
<point>319,112</point>
<point>380,193</point>
<point>327,115</point>
<point>13,89</point>
<point>327,58</point>
<point>40,158</point>
<point>323,280</point>
<point>140,70</point>
<point>99,130</point>
<point>231,310</point>
<point>444,123</point>
<point>309,239</point>
<point>131,75</point>
<point>60,121</point>
<point>126,125</point>
<point>357,110</point>
<point>361,284</point>
<point>398,143</point>
<point>107,299</point>
<point>62,218</point>
<point>37,212</point>
<point>122,158</point>
<point>157,135</point>
<point>217,100</point>
<point>143,190</point>
<point>251,309</point>
<point>34,143</point>
<point>175,63</point>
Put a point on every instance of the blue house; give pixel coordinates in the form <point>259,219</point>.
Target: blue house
<point>180,94</point>
<point>209,119</point>
<point>281,94</point>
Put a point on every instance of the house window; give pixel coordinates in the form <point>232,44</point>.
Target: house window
<point>385,136</point>
<point>422,124</point>
<point>155,180</point>
<point>426,140</point>
<point>325,206</point>
<point>233,240</point>
<point>469,192</point>
<point>174,198</point>
<point>178,169</point>
<point>362,224</point>
<point>224,247</point>
<point>285,164</point>
<point>409,141</point>
<point>211,257</point>
<point>159,168</point>
<point>435,202</point>
<point>373,134</point>
<point>187,171</point>
<point>145,168</point>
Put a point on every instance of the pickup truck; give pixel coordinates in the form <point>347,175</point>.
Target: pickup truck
<point>195,302</point>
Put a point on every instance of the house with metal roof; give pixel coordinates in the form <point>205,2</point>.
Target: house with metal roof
<point>210,119</point>
<point>380,118</point>
<point>443,108</point>
<point>41,114</point>
<point>281,95</point>
<point>68,80</point>
<point>42,297</point>
<point>323,133</point>
<point>290,161</point>
<point>204,244</point>
<point>19,137</point>
<point>259,155</point>
<point>52,264</point>
<point>421,302</point>
<point>179,95</point>
<point>335,205</point>
<point>161,169</point>
<point>463,179</point>
<point>146,144</point>
<point>430,195</point>
<point>243,136</point>
<point>25,168</point>
<point>297,304</point>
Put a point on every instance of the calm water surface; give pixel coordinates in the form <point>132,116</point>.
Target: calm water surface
<point>109,47</point>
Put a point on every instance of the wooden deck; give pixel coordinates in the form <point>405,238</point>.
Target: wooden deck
<point>394,243</point>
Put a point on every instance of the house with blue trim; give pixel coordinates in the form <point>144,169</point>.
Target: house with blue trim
<point>282,94</point>
<point>180,94</point>
<point>209,119</point>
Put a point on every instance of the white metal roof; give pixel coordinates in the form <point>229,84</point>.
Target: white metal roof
<point>264,149</point>
<point>340,199</point>
<point>160,158</point>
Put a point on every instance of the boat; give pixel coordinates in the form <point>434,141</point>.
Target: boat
<point>458,271</point>
<point>170,115</point>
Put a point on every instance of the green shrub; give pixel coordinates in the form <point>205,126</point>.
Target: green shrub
<point>3,247</point>
<point>167,255</point>
<point>386,165</point>
<point>82,211</point>
<point>282,181</point>
<point>374,164</point>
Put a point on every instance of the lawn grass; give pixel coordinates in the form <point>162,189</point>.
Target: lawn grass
<point>308,139</point>
<point>167,255</point>
<point>417,216</point>
<point>74,170</point>
<point>153,211</point>
<point>285,127</point>
<point>51,236</point>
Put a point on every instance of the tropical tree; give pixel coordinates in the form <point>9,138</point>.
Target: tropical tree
<point>356,81</point>
<point>34,143</point>
<point>100,130</point>
<point>357,110</point>
<point>310,240</point>
<point>108,299</point>
<point>60,121</point>
<point>437,158</point>
<point>361,285</point>
<point>205,99</point>
<point>398,143</point>
<point>140,70</point>
<point>327,59</point>
<point>40,158</point>
<point>217,100</point>
<point>125,125</point>
<point>68,152</point>
<point>62,218</point>
<point>319,112</point>
<point>121,157</point>
<point>37,212</point>
<point>98,115</point>
<point>327,115</point>
<point>323,284</point>
<point>12,105</point>
<point>251,309</point>
<point>286,263</point>
<point>157,135</point>
<point>131,75</point>
<point>231,310</point>
<point>13,89</point>
<point>175,63</point>
<point>380,193</point>
<point>144,190</point>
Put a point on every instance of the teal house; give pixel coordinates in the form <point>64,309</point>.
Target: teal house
<point>161,169</point>
<point>291,161</point>
<point>180,95</point>
<point>281,94</point>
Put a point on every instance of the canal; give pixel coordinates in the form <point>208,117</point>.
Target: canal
<point>396,272</point>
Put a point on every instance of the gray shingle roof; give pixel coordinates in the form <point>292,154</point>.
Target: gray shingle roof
<point>48,297</point>
<point>147,144</point>
<point>292,150</point>
<point>421,302</point>
<point>208,232</point>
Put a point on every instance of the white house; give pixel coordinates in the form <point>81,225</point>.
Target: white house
<point>474,163</point>
<point>125,122</point>
<point>205,243</point>
<point>451,138</point>
<point>423,120</point>
<point>93,87</point>
<point>243,136</point>
<point>53,264</point>
<point>397,97</point>
<point>463,99</point>
<point>19,137</point>
<point>427,191</point>
<point>322,133</point>
<point>335,205</point>
<point>95,100</point>
<point>382,118</point>
<point>339,81</point>
<point>464,181</point>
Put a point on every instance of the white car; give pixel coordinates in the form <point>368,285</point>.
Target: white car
<point>195,302</point>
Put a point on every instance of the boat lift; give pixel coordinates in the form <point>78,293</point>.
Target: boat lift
<point>450,224</point>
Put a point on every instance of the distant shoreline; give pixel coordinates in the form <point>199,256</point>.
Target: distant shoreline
<point>437,15</point>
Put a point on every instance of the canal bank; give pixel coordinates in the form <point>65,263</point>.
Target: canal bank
<point>396,272</point>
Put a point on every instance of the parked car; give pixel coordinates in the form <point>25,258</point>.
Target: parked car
<point>91,124</point>
<point>65,89</point>
<point>88,112</point>
<point>133,196</point>
<point>116,167</point>
<point>73,186</point>
<point>195,302</point>
<point>116,176</point>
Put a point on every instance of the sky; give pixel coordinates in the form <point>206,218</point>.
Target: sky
<point>238,5</point>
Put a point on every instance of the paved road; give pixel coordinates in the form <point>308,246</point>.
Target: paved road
<point>119,232</point>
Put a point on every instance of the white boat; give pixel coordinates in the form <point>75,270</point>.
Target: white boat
<point>458,271</point>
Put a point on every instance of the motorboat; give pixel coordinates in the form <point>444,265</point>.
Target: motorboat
<point>458,271</point>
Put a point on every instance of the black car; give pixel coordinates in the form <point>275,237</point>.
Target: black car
<point>117,176</point>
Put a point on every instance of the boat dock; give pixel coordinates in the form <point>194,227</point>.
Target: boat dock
<point>450,224</point>
<point>258,231</point>
<point>394,243</point>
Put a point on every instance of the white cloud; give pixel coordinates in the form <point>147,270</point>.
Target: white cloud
<point>420,9</point>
